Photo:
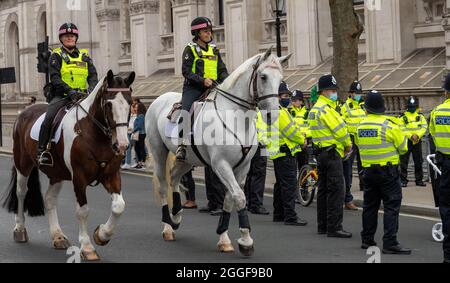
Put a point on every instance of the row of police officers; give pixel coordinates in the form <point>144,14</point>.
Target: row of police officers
<point>357,129</point>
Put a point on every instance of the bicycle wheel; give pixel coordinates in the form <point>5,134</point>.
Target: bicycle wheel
<point>307,185</point>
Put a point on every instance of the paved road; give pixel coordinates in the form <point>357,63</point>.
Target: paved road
<point>138,237</point>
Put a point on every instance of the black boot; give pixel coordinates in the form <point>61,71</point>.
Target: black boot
<point>44,157</point>
<point>181,153</point>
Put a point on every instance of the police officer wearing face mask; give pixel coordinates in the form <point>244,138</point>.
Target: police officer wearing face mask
<point>285,139</point>
<point>330,134</point>
<point>353,114</point>
<point>414,125</point>
<point>440,131</point>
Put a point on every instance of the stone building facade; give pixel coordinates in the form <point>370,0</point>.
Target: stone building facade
<point>404,50</point>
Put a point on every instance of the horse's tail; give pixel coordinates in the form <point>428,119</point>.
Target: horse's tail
<point>34,202</point>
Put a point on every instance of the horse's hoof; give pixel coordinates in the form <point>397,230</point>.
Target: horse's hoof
<point>97,239</point>
<point>246,251</point>
<point>61,243</point>
<point>90,255</point>
<point>169,237</point>
<point>226,248</point>
<point>21,236</point>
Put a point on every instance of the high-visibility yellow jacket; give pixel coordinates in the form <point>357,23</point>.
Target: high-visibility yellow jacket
<point>440,127</point>
<point>209,58</point>
<point>413,124</point>
<point>74,71</point>
<point>353,114</point>
<point>327,126</point>
<point>300,116</point>
<point>284,132</point>
<point>261,128</point>
<point>380,141</point>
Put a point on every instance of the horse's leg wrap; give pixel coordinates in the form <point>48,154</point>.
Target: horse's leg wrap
<point>166,217</point>
<point>177,207</point>
<point>244,222</point>
<point>224,223</point>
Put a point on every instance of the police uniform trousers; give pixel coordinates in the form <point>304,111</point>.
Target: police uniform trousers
<point>416,151</point>
<point>255,183</point>
<point>285,190</point>
<point>190,95</point>
<point>53,108</point>
<point>330,196</point>
<point>215,190</point>
<point>382,184</point>
<point>444,204</point>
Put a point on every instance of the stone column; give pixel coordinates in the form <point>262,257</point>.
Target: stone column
<point>27,48</point>
<point>309,26</point>
<point>389,29</point>
<point>145,42</point>
<point>243,30</point>
<point>108,16</point>
<point>184,11</point>
<point>446,25</point>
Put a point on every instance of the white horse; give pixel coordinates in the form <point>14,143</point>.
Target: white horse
<point>254,84</point>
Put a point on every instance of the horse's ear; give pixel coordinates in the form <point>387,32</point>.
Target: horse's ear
<point>267,54</point>
<point>284,59</point>
<point>110,78</point>
<point>129,81</point>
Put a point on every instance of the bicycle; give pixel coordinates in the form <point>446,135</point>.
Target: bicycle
<point>308,179</point>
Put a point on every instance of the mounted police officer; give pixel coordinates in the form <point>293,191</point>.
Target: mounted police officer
<point>285,140</point>
<point>330,135</point>
<point>72,73</point>
<point>381,142</point>
<point>352,113</point>
<point>415,127</point>
<point>440,131</point>
<point>202,68</point>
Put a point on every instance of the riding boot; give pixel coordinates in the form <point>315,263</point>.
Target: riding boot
<point>181,152</point>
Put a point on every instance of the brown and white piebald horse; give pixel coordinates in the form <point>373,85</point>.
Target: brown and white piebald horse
<point>92,145</point>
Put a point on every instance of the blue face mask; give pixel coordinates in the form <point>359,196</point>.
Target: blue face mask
<point>358,98</point>
<point>334,97</point>
<point>284,102</point>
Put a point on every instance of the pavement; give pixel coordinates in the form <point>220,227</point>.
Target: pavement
<point>416,200</point>
<point>138,235</point>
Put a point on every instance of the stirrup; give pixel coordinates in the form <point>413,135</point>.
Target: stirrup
<point>46,159</point>
<point>181,153</point>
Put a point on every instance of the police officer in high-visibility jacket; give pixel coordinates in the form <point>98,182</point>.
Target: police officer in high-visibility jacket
<point>72,74</point>
<point>415,126</point>
<point>352,113</point>
<point>329,133</point>
<point>381,142</point>
<point>440,131</point>
<point>299,112</point>
<point>285,140</point>
<point>255,183</point>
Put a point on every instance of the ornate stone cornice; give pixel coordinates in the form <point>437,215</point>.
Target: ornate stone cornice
<point>108,15</point>
<point>144,7</point>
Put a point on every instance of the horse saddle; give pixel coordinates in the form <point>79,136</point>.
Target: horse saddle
<point>56,125</point>
<point>174,114</point>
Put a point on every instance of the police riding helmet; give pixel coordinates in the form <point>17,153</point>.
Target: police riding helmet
<point>375,103</point>
<point>199,24</point>
<point>68,28</point>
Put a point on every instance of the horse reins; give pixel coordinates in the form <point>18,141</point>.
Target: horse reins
<point>107,131</point>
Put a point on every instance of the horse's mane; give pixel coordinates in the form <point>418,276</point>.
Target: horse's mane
<point>248,65</point>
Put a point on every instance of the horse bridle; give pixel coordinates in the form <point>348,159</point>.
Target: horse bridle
<point>107,130</point>
<point>253,83</point>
